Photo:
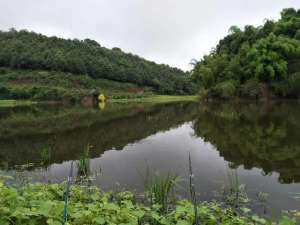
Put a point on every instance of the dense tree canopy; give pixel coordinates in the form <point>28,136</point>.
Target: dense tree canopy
<point>29,50</point>
<point>254,61</point>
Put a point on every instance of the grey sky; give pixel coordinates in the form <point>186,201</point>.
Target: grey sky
<point>165,31</point>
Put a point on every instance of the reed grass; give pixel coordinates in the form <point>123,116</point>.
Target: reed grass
<point>45,156</point>
<point>83,164</point>
<point>159,189</point>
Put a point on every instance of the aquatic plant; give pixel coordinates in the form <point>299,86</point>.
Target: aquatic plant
<point>21,175</point>
<point>45,155</point>
<point>83,164</point>
<point>262,198</point>
<point>158,191</point>
<point>234,194</point>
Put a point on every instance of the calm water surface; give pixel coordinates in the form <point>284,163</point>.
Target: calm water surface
<point>260,141</point>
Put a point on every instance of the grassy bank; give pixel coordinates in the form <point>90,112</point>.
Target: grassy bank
<point>117,98</point>
<point>11,103</point>
<point>42,85</point>
<point>39,204</point>
<point>157,99</point>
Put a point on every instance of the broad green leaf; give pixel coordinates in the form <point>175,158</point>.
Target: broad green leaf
<point>287,221</point>
<point>99,220</point>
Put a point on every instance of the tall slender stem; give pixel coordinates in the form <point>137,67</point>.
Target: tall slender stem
<point>192,191</point>
<point>66,196</point>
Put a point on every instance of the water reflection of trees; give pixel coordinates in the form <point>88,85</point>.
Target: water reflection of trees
<point>255,135</point>
<point>67,133</point>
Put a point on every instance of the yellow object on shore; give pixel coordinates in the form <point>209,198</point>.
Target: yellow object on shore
<point>101,98</point>
<point>101,105</point>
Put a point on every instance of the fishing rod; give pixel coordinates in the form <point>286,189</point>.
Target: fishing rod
<point>66,195</point>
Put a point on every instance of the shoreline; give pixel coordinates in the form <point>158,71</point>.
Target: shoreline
<point>13,103</point>
<point>144,99</point>
<point>157,99</point>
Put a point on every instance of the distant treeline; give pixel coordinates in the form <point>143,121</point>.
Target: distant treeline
<point>254,61</point>
<point>29,50</point>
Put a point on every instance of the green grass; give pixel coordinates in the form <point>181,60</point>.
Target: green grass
<point>12,103</point>
<point>158,99</point>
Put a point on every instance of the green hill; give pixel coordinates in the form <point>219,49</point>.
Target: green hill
<point>68,66</point>
<point>256,62</point>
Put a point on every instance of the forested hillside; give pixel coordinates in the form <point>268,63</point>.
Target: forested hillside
<point>29,50</point>
<point>254,62</point>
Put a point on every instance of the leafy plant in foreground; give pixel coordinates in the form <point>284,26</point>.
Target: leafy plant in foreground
<point>42,204</point>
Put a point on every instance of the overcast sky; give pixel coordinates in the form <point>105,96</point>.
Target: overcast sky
<point>165,31</point>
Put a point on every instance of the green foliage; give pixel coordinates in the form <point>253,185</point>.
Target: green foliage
<point>234,29</point>
<point>251,88</point>
<point>297,35</point>
<point>224,89</point>
<point>42,204</point>
<point>203,93</point>
<point>268,54</point>
<point>28,50</point>
<point>288,87</point>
